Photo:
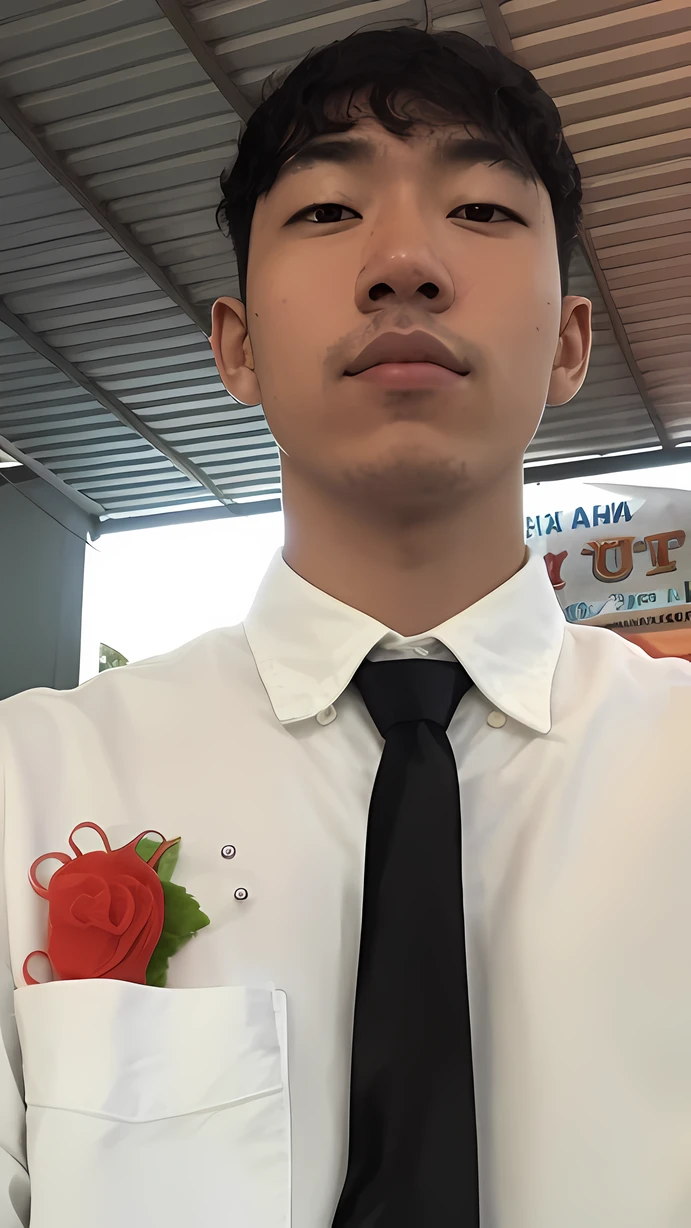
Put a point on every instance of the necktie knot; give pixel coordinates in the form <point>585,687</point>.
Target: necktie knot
<point>411,690</point>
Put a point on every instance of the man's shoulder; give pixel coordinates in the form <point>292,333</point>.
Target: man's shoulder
<point>616,655</point>
<point>213,657</point>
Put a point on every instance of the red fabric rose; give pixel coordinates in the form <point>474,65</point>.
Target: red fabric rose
<point>105,911</point>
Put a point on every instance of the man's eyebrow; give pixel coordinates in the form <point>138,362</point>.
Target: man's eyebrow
<point>362,152</point>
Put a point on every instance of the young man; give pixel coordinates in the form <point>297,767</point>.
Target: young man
<point>442,837</point>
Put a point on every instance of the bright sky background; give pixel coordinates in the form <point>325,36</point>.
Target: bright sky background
<point>147,591</point>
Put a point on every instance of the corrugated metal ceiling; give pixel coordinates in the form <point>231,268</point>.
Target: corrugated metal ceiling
<point>116,120</point>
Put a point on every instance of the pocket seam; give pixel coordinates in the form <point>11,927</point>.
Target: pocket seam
<point>136,1121</point>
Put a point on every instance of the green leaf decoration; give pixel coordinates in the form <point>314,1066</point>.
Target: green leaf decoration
<point>182,918</point>
<point>167,863</point>
<point>157,967</point>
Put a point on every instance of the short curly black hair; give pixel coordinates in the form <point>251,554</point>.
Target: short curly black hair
<point>470,82</point>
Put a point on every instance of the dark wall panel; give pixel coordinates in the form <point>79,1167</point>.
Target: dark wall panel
<point>41,583</point>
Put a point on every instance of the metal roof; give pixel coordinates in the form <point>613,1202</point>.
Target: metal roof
<point>116,120</point>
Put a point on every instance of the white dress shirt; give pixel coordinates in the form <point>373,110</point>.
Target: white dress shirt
<point>223,1099</point>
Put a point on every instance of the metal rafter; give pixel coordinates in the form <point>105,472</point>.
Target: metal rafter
<point>624,343</point>
<point>119,524</point>
<point>114,405</point>
<point>74,184</point>
<point>28,134</point>
<point>75,496</point>
<point>496,24</point>
<point>205,57</point>
<point>500,33</point>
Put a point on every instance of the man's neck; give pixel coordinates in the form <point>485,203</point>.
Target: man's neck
<point>410,580</point>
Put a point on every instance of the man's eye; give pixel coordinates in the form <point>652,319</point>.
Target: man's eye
<point>485,206</point>
<point>327,208</point>
<point>326,211</point>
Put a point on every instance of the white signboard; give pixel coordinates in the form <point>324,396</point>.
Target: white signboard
<point>621,559</point>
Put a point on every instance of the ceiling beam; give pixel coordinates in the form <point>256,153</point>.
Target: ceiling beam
<point>496,24</point>
<point>192,516</point>
<point>624,343</point>
<point>74,184</point>
<point>114,405</point>
<point>583,469</point>
<point>500,33</point>
<point>205,57</point>
<point>75,496</point>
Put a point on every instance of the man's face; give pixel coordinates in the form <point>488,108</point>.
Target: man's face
<point>342,252</point>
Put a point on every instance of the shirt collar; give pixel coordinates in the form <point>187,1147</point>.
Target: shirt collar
<point>307,645</point>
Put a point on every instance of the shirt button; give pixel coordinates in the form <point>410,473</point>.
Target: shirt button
<point>327,716</point>
<point>422,652</point>
<point>496,720</point>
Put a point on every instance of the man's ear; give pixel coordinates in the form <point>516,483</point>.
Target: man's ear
<point>573,351</point>
<point>233,350</point>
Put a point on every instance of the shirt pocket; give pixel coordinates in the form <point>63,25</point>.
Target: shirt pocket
<point>155,1106</point>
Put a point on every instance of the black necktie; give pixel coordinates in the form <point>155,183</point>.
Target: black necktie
<point>412,1155</point>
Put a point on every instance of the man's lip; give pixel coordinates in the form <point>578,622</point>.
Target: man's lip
<point>410,375</point>
<point>418,346</point>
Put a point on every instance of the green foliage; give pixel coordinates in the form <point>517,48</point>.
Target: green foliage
<point>167,863</point>
<point>181,920</point>
<point>110,658</point>
<point>182,916</point>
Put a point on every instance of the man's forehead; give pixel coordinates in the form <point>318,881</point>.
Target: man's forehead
<point>367,141</point>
